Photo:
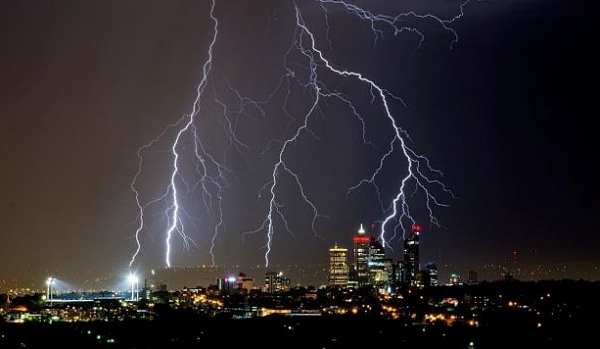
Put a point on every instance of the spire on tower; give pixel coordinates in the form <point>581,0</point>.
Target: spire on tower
<point>361,231</point>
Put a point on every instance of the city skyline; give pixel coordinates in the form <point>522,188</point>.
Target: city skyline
<point>502,113</point>
<point>298,173</point>
<point>346,259</point>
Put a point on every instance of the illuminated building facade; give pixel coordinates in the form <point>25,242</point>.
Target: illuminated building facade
<point>361,257</point>
<point>276,282</point>
<point>411,257</point>
<point>338,266</point>
<point>378,271</point>
<point>226,285</point>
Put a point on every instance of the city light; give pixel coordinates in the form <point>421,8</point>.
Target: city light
<point>294,131</point>
<point>133,281</point>
<point>132,278</point>
<point>50,282</point>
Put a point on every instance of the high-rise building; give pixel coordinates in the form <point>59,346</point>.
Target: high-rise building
<point>378,275</point>
<point>276,282</point>
<point>361,257</point>
<point>411,256</point>
<point>146,292</point>
<point>398,272</point>
<point>432,271</point>
<point>338,266</point>
<point>226,285</point>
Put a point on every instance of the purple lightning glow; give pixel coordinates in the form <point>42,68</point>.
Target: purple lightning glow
<point>419,177</point>
<point>400,209</point>
<point>175,223</point>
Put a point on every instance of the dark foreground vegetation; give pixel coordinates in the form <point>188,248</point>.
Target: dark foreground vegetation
<point>567,318</point>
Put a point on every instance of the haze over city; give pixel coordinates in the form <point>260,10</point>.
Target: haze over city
<point>502,110</point>
<point>298,173</point>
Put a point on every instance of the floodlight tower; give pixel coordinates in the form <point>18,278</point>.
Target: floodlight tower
<point>133,281</point>
<point>49,283</point>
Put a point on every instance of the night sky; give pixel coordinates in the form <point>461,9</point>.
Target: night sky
<point>507,115</point>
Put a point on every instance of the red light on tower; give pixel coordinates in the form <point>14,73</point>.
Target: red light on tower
<point>416,228</point>
<point>361,239</point>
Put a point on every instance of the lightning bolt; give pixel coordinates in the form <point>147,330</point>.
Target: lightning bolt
<point>396,22</point>
<point>281,167</point>
<point>176,224</point>
<point>400,208</point>
<point>418,167</point>
<point>184,126</point>
<point>419,176</point>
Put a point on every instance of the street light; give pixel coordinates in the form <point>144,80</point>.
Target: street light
<point>49,283</point>
<point>133,281</point>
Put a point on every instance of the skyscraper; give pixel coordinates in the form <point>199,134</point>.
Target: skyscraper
<point>411,256</point>
<point>226,285</point>
<point>378,275</point>
<point>338,266</point>
<point>361,257</point>
<point>398,272</point>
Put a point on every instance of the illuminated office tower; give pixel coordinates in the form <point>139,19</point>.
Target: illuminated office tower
<point>338,266</point>
<point>411,256</point>
<point>361,257</point>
